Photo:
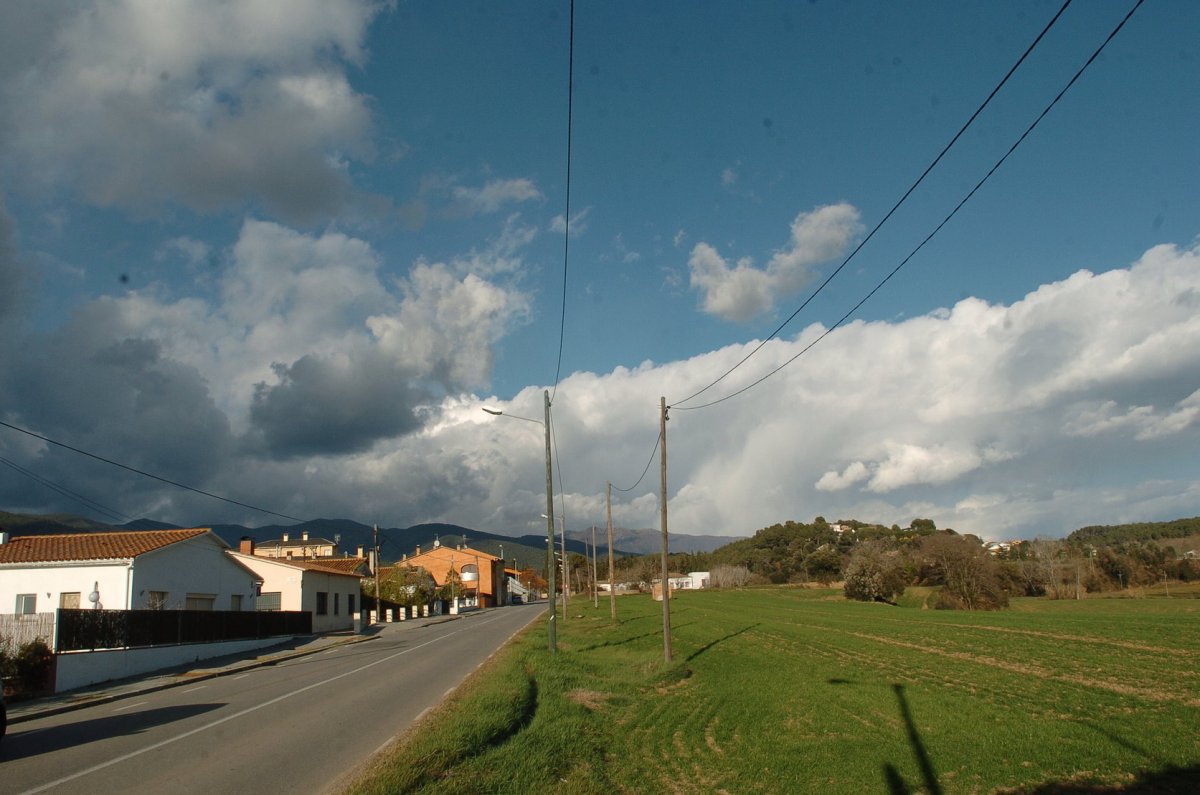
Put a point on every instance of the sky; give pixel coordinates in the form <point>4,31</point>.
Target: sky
<point>286,252</point>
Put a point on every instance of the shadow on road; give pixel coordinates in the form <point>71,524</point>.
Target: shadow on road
<point>33,742</point>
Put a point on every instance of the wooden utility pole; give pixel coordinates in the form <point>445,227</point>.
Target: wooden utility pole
<point>612,586</point>
<point>662,500</point>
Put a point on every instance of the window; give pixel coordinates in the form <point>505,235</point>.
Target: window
<point>350,603</point>
<point>235,602</point>
<point>200,601</point>
<point>69,600</point>
<point>322,603</point>
<point>271,600</point>
<point>26,604</point>
<point>337,604</point>
<point>156,600</point>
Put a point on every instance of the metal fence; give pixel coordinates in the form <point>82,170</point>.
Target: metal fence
<point>121,629</point>
<point>17,630</point>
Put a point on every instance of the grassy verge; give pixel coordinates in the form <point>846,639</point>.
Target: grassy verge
<point>786,690</point>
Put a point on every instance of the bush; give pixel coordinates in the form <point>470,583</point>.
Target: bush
<point>28,669</point>
<point>874,574</point>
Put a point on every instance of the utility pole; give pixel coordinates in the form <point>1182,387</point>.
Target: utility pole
<point>566,585</point>
<point>612,586</point>
<point>666,583</point>
<point>375,565</point>
<point>595,587</point>
<point>553,626</point>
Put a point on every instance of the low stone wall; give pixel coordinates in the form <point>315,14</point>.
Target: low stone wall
<point>83,668</point>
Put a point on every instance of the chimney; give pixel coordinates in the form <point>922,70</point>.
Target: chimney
<point>360,551</point>
<point>246,546</point>
<point>418,549</point>
<point>3,536</point>
<point>285,538</point>
<point>304,536</point>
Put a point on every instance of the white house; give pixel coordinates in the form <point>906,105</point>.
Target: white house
<point>133,570</point>
<point>329,588</point>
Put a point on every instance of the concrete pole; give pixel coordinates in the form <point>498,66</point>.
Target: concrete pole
<point>552,631</point>
<point>666,585</point>
<point>612,586</point>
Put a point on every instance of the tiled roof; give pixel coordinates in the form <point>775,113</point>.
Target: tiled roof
<point>448,552</point>
<point>91,546</point>
<point>345,566</point>
<point>353,566</point>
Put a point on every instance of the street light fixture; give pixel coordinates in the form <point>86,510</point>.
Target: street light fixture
<point>552,630</point>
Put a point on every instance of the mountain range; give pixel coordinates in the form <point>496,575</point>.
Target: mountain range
<point>394,542</point>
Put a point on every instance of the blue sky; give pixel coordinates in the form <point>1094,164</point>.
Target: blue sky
<point>287,256</point>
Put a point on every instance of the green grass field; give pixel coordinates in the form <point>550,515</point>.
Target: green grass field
<point>792,690</point>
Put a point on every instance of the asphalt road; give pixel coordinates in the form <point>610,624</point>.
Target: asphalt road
<point>300,726</point>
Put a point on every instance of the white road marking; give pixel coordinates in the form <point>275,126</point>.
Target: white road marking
<point>193,689</point>
<point>247,711</point>
<point>130,706</point>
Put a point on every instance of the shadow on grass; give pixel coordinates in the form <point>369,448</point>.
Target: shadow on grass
<point>1170,780</point>
<point>609,643</point>
<point>895,782</point>
<point>1121,741</point>
<point>712,643</point>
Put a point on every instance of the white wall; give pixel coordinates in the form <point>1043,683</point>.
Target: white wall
<point>340,584</point>
<point>198,565</point>
<point>298,590</point>
<point>49,581</point>
<point>80,669</point>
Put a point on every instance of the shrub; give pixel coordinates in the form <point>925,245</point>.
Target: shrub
<point>874,574</point>
<point>28,668</point>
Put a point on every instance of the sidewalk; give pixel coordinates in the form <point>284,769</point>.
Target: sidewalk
<point>199,671</point>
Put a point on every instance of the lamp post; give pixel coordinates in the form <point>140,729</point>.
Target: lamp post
<point>552,628</point>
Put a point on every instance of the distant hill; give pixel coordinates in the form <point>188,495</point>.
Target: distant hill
<point>50,524</point>
<point>649,542</point>
<point>1137,531</point>
<point>394,542</point>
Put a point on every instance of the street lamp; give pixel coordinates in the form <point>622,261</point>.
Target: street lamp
<point>552,625</point>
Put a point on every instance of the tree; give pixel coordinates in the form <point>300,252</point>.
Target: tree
<point>874,573</point>
<point>968,574</point>
<point>724,575</point>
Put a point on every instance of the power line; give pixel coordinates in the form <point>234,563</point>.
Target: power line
<point>938,228</point>
<point>63,490</point>
<point>657,441</point>
<point>562,323</point>
<point>889,214</point>
<point>150,475</point>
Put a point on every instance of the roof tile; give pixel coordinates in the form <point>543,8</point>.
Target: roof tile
<point>91,546</point>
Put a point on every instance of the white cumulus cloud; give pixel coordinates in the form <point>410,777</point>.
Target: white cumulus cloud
<point>740,290</point>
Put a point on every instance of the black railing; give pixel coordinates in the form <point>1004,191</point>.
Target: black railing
<point>122,629</point>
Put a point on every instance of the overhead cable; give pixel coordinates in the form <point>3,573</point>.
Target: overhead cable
<point>150,475</point>
<point>562,323</point>
<point>63,490</point>
<point>889,214</point>
<point>938,228</point>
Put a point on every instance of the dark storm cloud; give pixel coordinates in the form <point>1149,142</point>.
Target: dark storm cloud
<point>118,397</point>
<point>320,407</point>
